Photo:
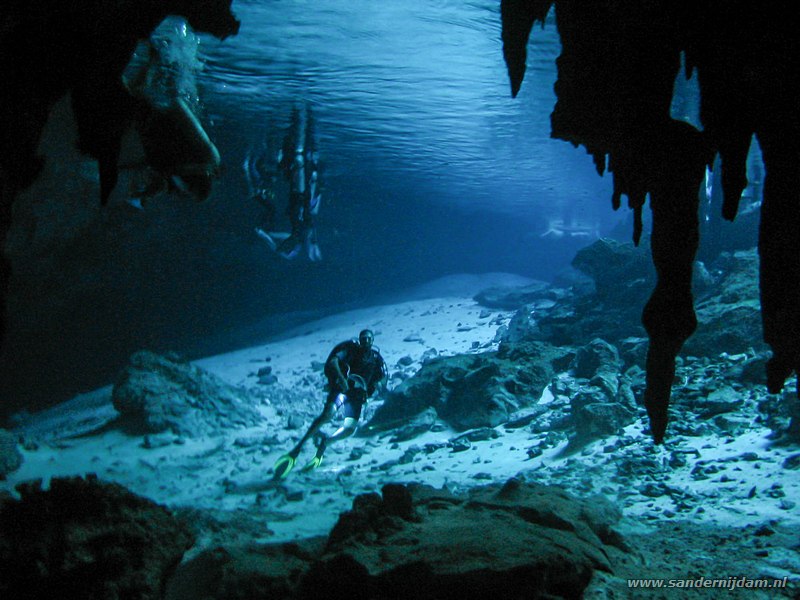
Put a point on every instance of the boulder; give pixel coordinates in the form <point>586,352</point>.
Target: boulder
<point>728,312</point>
<point>509,541</point>
<point>155,393</point>
<point>623,274</point>
<point>781,413</point>
<point>513,298</point>
<point>595,358</point>
<point>727,304</point>
<point>600,419</point>
<point>472,391</point>
<point>86,539</point>
<point>516,540</point>
<point>417,425</point>
<point>720,401</point>
<point>10,456</point>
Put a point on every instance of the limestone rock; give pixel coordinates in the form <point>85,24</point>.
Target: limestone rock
<point>600,419</point>
<point>419,424</point>
<point>472,391</point>
<point>10,457</point>
<point>85,539</point>
<point>728,313</point>
<point>517,540</point>
<point>596,357</point>
<point>154,394</point>
<point>512,298</point>
<point>622,273</point>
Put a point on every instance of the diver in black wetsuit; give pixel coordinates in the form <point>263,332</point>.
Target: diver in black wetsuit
<point>354,370</point>
<point>297,160</point>
<point>261,177</point>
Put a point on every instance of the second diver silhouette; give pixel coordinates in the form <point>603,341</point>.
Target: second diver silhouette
<point>297,161</point>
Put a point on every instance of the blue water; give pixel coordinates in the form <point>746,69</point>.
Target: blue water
<point>403,89</point>
<point>414,113</point>
<point>428,167</point>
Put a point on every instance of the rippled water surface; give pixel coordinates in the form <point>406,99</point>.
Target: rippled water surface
<point>411,95</point>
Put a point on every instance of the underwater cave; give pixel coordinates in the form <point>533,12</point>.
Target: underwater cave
<point>591,348</point>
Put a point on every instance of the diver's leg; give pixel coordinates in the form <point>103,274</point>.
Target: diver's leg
<point>311,246</point>
<point>347,429</point>
<point>352,413</point>
<point>274,239</point>
<point>323,418</point>
<point>295,211</point>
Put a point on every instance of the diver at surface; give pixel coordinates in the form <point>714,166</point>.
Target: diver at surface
<point>297,161</point>
<point>178,155</point>
<point>354,370</point>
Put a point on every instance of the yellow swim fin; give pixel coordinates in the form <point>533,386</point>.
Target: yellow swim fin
<point>283,466</point>
<point>312,464</point>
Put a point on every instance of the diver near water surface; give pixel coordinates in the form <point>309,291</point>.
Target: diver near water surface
<point>354,370</point>
<point>297,162</point>
<point>178,154</point>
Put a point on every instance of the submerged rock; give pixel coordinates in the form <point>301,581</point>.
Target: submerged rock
<point>518,540</point>
<point>600,419</point>
<point>598,357</point>
<point>154,394</point>
<point>10,456</point>
<point>473,391</point>
<point>512,298</point>
<point>729,312</point>
<point>417,425</point>
<point>623,275</point>
<point>86,539</point>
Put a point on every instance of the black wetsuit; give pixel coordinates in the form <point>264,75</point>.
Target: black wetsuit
<point>368,365</point>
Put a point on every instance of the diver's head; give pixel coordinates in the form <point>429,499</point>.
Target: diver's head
<point>365,338</point>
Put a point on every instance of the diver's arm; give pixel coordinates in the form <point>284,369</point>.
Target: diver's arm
<point>378,384</point>
<point>337,368</point>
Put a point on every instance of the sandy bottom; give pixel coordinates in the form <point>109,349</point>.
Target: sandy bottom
<point>226,479</point>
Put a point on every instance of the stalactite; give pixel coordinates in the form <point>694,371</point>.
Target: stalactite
<point>518,17</point>
<point>613,91</point>
<point>668,316</point>
<point>779,250</point>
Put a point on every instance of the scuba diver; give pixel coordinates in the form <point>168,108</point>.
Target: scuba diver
<point>178,154</point>
<point>261,182</point>
<point>354,370</point>
<point>297,161</point>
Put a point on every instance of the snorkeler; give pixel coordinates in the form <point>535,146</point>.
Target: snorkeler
<point>297,160</point>
<point>354,370</point>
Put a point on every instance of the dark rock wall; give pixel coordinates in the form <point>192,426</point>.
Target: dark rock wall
<point>614,89</point>
<point>84,538</point>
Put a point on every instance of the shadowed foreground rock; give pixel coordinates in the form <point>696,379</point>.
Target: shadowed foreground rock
<point>10,457</point>
<point>85,539</point>
<point>518,540</point>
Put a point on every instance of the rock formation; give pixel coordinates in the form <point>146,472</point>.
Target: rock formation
<point>83,538</point>
<point>10,457</point>
<point>154,394</point>
<point>470,391</point>
<point>413,541</point>
<point>615,82</point>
